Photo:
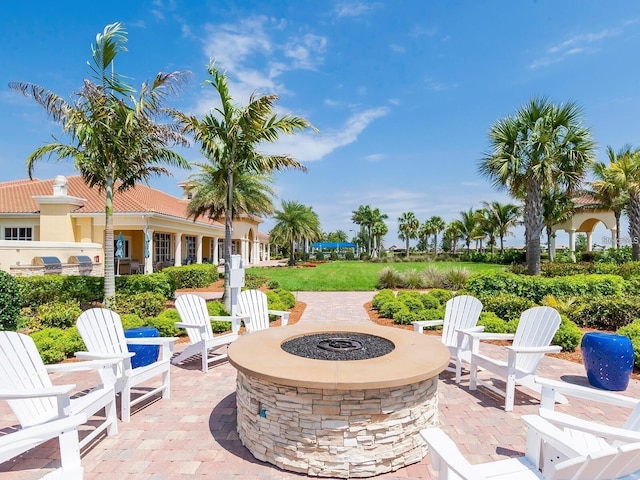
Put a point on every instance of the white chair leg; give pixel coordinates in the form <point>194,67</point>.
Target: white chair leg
<point>125,399</point>
<point>111,417</point>
<point>70,455</point>
<point>510,392</point>
<point>166,379</point>
<point>473,372</point>
<point>205,363</point>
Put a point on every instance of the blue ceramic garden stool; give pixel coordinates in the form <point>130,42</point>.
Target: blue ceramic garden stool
<point>144,354</point>
<point>608,359</point>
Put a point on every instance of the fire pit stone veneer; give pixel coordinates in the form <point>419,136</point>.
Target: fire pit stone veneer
<point>336,418</point>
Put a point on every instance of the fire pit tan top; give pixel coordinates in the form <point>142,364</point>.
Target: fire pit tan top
<point>414,358</point>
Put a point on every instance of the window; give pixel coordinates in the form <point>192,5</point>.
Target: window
<point>18,233</point>
<point>162,247</point>
<point>190,249</point>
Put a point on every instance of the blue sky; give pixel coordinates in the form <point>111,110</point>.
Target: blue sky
<point>403,93</point>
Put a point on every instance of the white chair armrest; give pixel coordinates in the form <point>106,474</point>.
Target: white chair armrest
<point>547,349</point>
<point>88,365</point>
<point>581,391</point>
<point>228,318</point>
<point>151,340</point>
<point>191,326</point>
<point>283,314</point>
<point>58,390</point>
<point>488,336</point>
<point>49,429</point>
<point>103,356</point>
<point>541,429</point>
<point>445,455</point>
<point>420,325</point>
<point>563,420</point>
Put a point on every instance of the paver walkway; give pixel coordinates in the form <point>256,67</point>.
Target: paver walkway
<point>193,434</point>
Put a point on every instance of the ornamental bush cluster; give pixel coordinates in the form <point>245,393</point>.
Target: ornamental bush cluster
<point>431,277</point>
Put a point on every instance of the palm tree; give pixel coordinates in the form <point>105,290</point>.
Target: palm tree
<point>379,230</point>
<point>295,222</point>
<point>408,226</point>
<point>543,145</point>
<point>609,194</point>
<point>363,217</point>
<point>625,171</point>
<point>231,134</point>
<point>424,233</point>
<point>468,226</point>
<point>503,217</point>
<point>114,138</point>
<point>557,207</point>
<point>376,225</point>
<point>437,225</point>
<point>453,233</point>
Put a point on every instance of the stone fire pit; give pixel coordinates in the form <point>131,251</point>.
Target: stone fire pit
<point>337,418</point>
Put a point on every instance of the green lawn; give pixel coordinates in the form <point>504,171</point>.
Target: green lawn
<point>349,276</point>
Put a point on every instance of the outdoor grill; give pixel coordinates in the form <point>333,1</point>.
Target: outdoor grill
<point>51,264</point>
<point>85,264</point>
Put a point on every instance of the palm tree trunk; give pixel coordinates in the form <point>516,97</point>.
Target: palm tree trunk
<point>617,214</point>
<point>435,245</point>
<point>292,257</point>
<point>634,225</point>
<point>501,245</point>
<point>407,250</point>
<point>109,257</point>
<point>228,226</point>
<point>533,225</point>
<point>549,233</point>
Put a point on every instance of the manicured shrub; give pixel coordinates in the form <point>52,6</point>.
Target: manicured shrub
<point>632,285</point>
<point>492,323</point>
<point>273,284</point>
<point>455,278</point>
<point>429,301</point>
<point>629,269</point>
<point>131,320</point>
<point>216,308</point>
<point>442,295</point>
<point>404,316</point>
<point>159,283</point>
<point>389,278</point>
<point>319,255</point>
<point>286,298</point>
<point>55,314</point>
<point>254,282</point>
<point>192,276</point>
<point>382,297</point>
<point>412,302</point>
<point>607,313</point>
<point>47,288</point>
<point>144,305</point>
<point>389,308</point>
<point>568,335</point>
<point>56,344</point>
<point>412,279</point>
<point>633,332</point>
<point>10,301</point>
<point>165,323</point>
<point>349,255</point>
<point>506,306</point>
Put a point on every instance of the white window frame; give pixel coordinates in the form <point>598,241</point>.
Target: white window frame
<point>18,233</point>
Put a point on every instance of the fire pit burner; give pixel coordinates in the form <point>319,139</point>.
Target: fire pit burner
<point>340,344</point>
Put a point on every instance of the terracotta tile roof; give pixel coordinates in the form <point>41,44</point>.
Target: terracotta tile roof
<point>16,197</point>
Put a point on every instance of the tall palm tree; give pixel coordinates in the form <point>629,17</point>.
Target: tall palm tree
<point>115,138</point>
<point>453,233</point>
<point>541,146</point>
<point>604,189</point>
<point>379,230</point>
<point>363,217</point>
<point>376,222</point>
<point>408,226</point>
<point>231,135</point>
<point>437,225</point>
<point>424,233</point>
<point>625,171</point>
<point>468,226</point>
<point>295,222</point>
<point>503,217</point>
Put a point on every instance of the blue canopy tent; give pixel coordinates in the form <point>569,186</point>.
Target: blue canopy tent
<point>333,245</point>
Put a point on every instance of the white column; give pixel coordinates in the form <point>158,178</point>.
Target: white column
<point>268,247</point>
<point>216,251</point>
<point>177,251</point>
<point>613,237</point>
<point>256,252</point>
<point>243,251</point>
<point>589,241</point>
<point>199,249</point>
<point>572,240</point>
<point>148,262</point>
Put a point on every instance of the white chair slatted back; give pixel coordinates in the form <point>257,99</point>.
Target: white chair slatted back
<point>253,303</point>
<point>536,328</point>
<point>21,367</point>
<point>461,312</point>
<point>193,311</point>
<point>101,330</point>
<point>604,464</point>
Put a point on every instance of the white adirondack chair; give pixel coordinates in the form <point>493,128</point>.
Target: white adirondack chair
<point>197,322</point>
<point>588,434</point>
<point>101,330</point>
<point>45,411</point>
<point>252,307</point>
<point>65,429</point>
<point>531,341</point>
<point>461,313</point>
<point>622,462</point>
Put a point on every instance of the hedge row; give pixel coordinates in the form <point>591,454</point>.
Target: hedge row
<point>557,269</point>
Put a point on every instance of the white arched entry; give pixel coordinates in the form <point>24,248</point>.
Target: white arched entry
<point>585,221</point>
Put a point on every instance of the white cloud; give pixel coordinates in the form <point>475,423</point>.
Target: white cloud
<point>355,9</point>
<point>420,31</point>
<point>310,147</point>
<point>579,44</point>
<point>331,103</point>
<point>374,157</point>
<point>306,51</point>
<point>436,86</point>
<point>397,48</point>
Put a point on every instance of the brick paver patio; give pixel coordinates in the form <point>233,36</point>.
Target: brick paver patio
<point>194,433</point>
